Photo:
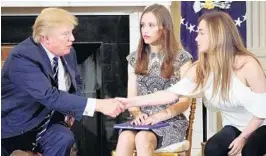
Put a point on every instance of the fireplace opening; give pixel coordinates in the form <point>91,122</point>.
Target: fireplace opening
<point>88,58</point>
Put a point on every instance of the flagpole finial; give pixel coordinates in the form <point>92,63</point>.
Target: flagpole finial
<point>208,4</point>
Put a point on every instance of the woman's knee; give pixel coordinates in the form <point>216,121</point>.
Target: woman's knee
<point>256,144</point>
<point>126,137</point>
<point>210,147</point>
<point>145,139</point>
<point>219,143</point>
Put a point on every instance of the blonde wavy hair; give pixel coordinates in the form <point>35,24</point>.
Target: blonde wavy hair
<point>225,44</point>
<point>50,18</point>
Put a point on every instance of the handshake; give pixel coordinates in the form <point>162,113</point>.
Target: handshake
<point>111,107</point>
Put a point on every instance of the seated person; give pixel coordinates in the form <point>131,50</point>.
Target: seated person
<point>40,89</point>
<point>157,64</point>
<point>231,80</point>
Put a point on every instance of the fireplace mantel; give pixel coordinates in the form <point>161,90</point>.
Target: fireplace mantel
<point>86,7</point>
<point>79,3</point>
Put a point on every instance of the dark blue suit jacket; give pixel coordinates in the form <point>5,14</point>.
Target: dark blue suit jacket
<point>29,92</point>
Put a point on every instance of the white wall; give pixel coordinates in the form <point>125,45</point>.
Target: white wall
<point>256,29</point>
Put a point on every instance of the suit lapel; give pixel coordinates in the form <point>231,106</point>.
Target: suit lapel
<point>46,62</point>
<point>70,71</point>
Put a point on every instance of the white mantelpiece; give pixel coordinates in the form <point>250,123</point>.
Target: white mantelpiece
<point>79,3</point>
<point>87,7</point>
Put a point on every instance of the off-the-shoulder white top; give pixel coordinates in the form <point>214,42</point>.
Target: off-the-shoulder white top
<point>237,111</point>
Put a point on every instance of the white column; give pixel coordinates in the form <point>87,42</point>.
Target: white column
<point>134,32</point>
<point>256,29</point>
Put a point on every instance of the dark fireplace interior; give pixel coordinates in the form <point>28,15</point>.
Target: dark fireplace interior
<point>101,44</point>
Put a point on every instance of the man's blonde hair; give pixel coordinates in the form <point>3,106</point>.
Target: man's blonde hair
<point>50,18</point>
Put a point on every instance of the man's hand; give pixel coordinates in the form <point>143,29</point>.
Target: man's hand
<point>125,101</point>
<point>69,121</point>
<point>110,107</point>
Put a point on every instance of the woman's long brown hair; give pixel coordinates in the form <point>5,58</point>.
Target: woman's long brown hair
<point>169,45</point>
<point>225,44</point>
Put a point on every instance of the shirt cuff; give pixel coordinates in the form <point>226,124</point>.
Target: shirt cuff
<point>90,107</point>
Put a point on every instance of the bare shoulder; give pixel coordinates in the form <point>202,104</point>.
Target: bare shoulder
<point>186,65</point>
<point>248,65</point>
<point>252,72</point>
<point>191,73</point>
<point>184,68</point>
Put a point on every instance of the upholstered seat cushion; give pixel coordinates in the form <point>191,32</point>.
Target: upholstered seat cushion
<point>177,147</point>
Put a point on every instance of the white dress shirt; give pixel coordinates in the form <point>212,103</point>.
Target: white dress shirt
<point>64,83</point>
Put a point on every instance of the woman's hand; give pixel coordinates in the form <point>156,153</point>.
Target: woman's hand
<point>153,119</point>
<point>237,145</point>
<point>140,119</point>
<point>124,101</point>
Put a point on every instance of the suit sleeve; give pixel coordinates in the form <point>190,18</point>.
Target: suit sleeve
<point>27,75</point>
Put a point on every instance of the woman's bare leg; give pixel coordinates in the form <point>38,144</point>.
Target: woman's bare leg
<point>146,143</point>
<point>126,143</point>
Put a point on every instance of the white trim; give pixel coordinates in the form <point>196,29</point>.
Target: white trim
<point>89,7</point>
<point>79,3</point>
<point>256,29</point>
<point>134,30</point>
<point>82,13</point>
<point>28,11</point>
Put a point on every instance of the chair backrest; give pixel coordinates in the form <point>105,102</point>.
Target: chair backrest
<point>190,124</point>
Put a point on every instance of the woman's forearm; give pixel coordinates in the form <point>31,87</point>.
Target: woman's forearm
<point>171,111</point>
<point>157,98</point>
<point>252,126</point>
<point>177,108</point>
<point>134,111</point>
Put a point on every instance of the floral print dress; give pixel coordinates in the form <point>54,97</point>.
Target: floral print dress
<point>153,82</point>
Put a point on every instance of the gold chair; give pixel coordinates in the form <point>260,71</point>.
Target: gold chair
<point>183,148</point>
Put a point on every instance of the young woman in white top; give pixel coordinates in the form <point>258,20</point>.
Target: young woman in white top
<point>231,80</point>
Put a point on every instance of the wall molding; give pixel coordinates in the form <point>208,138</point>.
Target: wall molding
<point>78,3</point>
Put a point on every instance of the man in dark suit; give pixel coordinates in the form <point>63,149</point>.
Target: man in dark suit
<point>40,88</point>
